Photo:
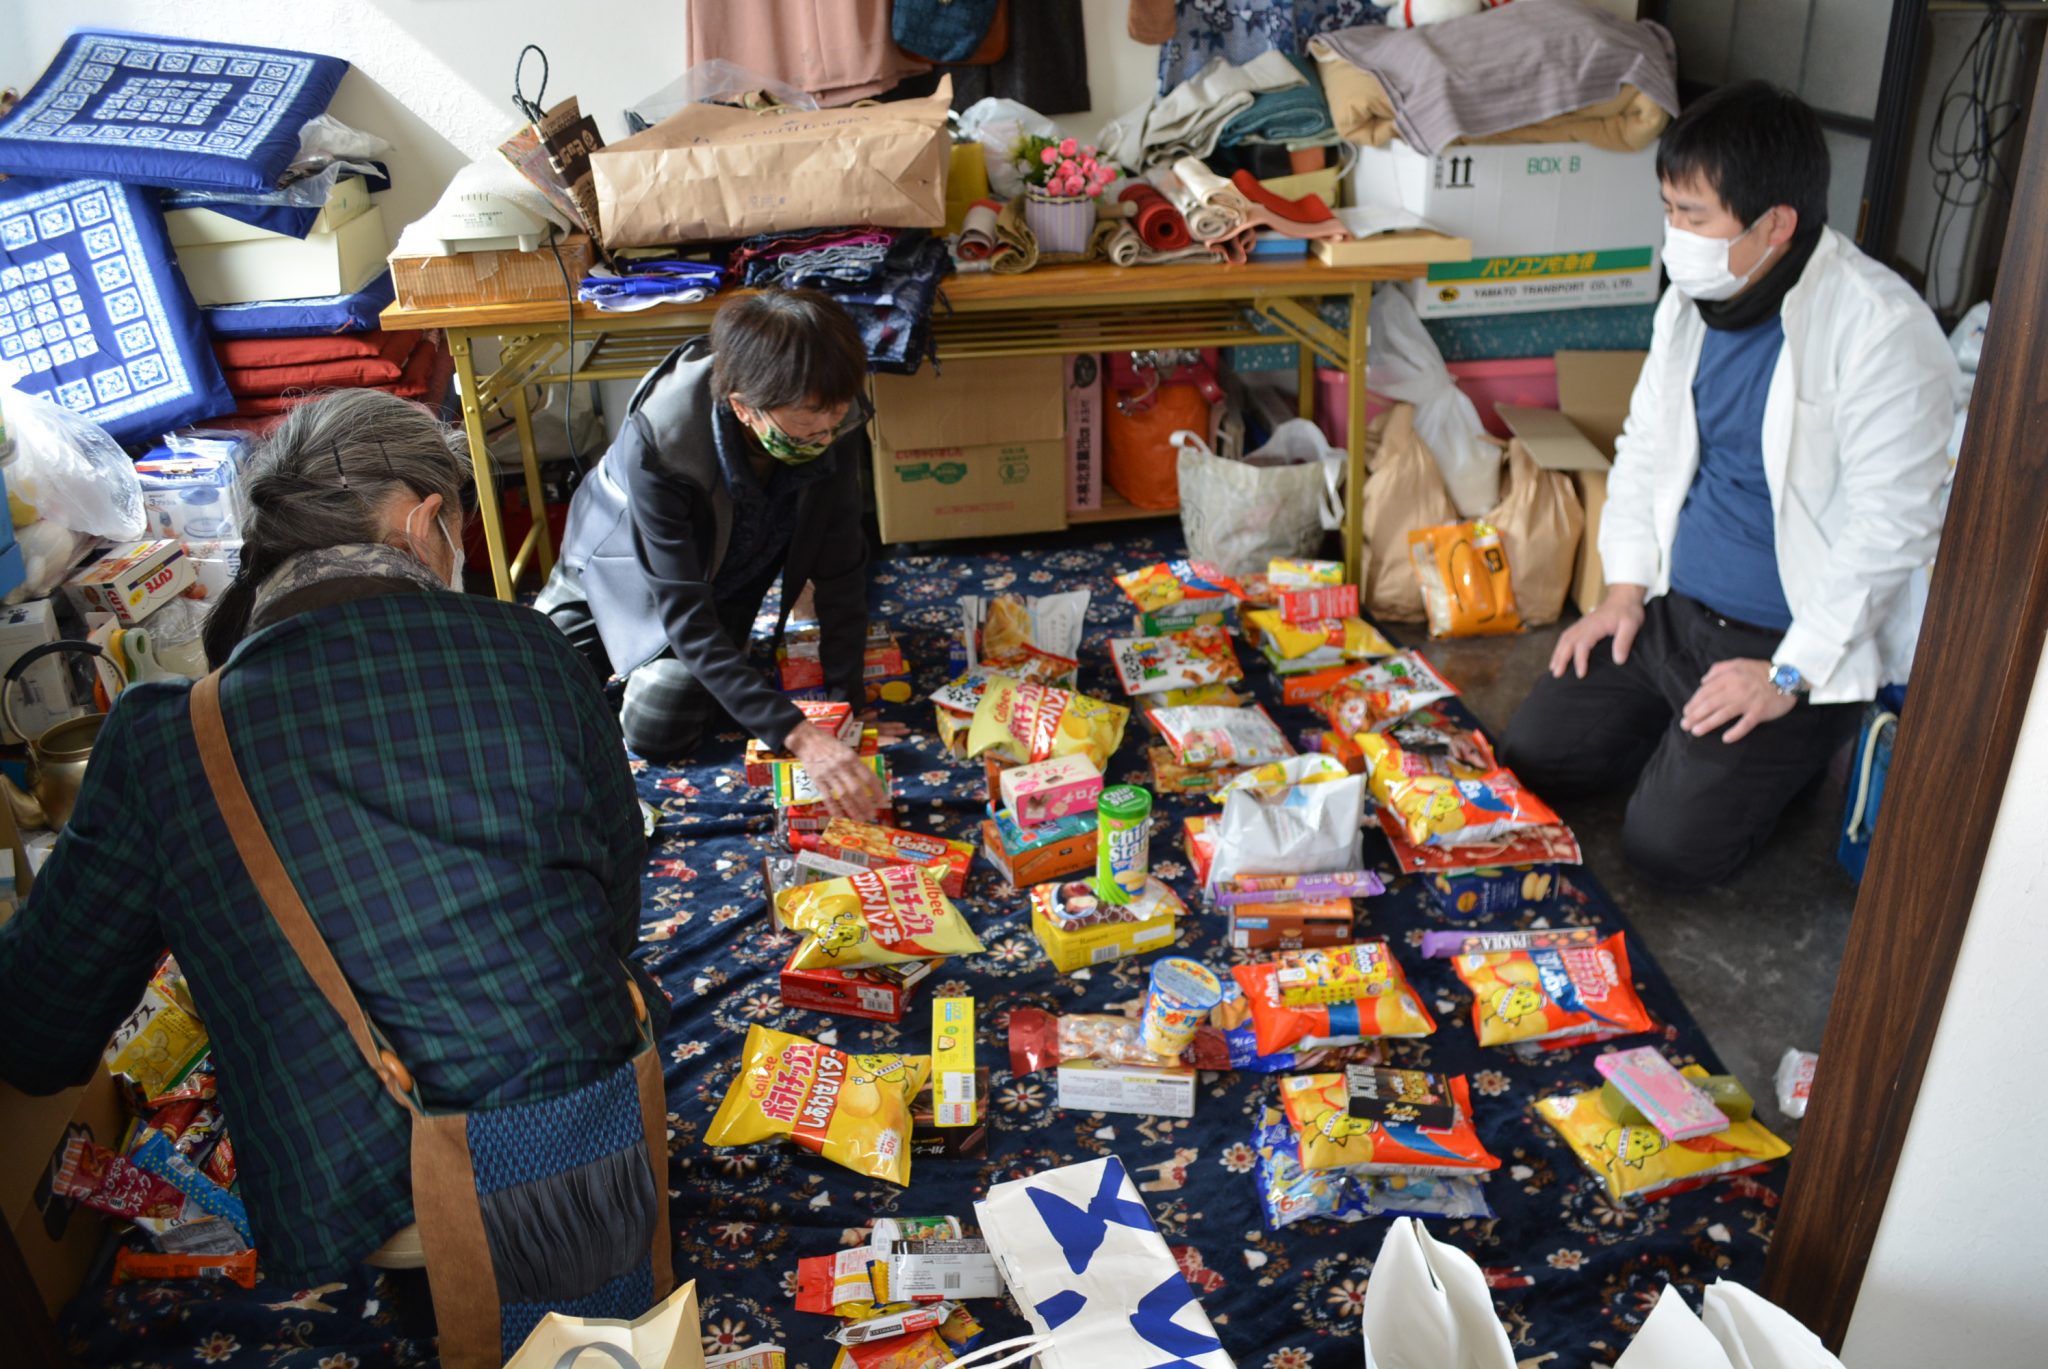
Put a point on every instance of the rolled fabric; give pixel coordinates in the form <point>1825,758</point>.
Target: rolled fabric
<point>1016,247</point>
<point>1162,226</point>
<point>1235,248</point>
<point>978,234</point>
<point>1117,243</point>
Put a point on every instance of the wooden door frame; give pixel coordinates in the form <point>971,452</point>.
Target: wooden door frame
<point>1979,653</point>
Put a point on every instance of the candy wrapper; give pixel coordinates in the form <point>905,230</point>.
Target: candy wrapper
<point>1171,583</point>
<point>1450,945</point>
<point>1394,1010</point>
<point>1317,604</point>
<point>1795,1081</point>
<point>1432,742</point>
<point>1337,884</point>
<point>1466,588</point>
<point>156,1154</point>
<point>1170,776</point>
<point>1288,572</point>
<point>1207,738</point>
<point>1333,974</point>
<point>1436,810</point>
<point>159,1043</point>
<point>1027,722</point>
<point>905,1321</point>
<point>873,846</point>
<point>1075,906</point>
<point>1384,693</point>
<point>877,917</point>
<point>99,1179</point>
<point>1036,638</point>
<point>1178,660</point>
<point>1040,1041</point>
<point>131,1266</point>
<point>852,1109</point>
<point>1638,1164</point>
<point>1215,696</point>
<point>1565,997</point>
<point>1384,1129</point>
<point>1352,639</point>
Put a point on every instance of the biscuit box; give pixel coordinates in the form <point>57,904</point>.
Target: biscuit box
<point>1494,891</point>
<point>133,580</point>
<point>880,992</point>
<point>793,787</point>
<point>799,820</point>
<point>1052,850</point>
<point>1051,789</point>
<point>873,846</point>
<point>837,718</point>
<point>1200,844</point>
<point>1092,1086</point>
<point>1291,926</point>
<point>1077,930</point>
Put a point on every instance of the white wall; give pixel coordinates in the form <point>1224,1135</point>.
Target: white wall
<point>1955,1277</point>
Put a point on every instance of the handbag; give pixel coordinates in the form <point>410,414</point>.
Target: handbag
<point>1239,515</point>
<point>1870,768</point>
<point>943,30</point>
<point>488,1186</point>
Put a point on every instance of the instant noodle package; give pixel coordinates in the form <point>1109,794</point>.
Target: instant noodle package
<point>1379,1121</point>
<point>1192,659</point>
<point>1383,693</point>
<point>1638,1163</point>
<point>877,917</point>
<point>1559,997</point>
<point>1027,722</point>
<point>852,1109</point>
<point>1385,1005</point>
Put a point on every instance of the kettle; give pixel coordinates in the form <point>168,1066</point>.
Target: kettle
<point>58,758</point>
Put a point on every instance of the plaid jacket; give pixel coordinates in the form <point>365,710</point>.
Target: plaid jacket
<point>448,789</point>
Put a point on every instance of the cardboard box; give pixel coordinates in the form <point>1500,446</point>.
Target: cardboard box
<point>193,497</point>
<point>930,1141</point>
<point>1495,891</point>
<point>1053,850</point>
<point>346,202</point>
<point>1552,225</point>
<point>979,451</point>
<point>956,1101</point>
<point>133,580</point>
<point>58,1239</point>
<point>274,266</point>
<point>1291,926</point>
<point>874,845</point>
<point>1083,376</point>
<point>214,567</point>
<point>1091,1086</point>
<point>1593,393</point>
<point>1076,948</point>
<point>1047,790</point>
<point>491,277</point>
<point>879,992</point>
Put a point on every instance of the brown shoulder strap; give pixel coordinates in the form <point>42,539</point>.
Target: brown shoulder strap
<point>280,895</point>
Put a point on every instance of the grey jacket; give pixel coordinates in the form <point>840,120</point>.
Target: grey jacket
<point>648,529</point>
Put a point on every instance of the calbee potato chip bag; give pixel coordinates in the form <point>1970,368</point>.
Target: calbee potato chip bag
<point>1384,693</point>
<point>877,917</point>
<point>1355,637</point>
<point>1389,1007</point>
<point>1560,996</point>
<point>1030,722</point>
<point>1386,1135</point>
<point>1638,1162</point>
<point>852,1109</point>
<point>1458,809</point>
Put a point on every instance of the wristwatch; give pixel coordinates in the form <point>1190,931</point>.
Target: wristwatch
<point>1787,680</point>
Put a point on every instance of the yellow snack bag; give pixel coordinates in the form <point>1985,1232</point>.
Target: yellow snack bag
<point>877,917</point>
<point>1465,586</point>
<point>1357,638</point>
<point>852,1109</point>
<point>1033,722</point>
<point>1639,1162</point>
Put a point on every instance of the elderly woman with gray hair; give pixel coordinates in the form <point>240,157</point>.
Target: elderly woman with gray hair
<point>442,781</point>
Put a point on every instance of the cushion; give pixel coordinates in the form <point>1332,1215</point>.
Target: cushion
<point>175,112</point>
<point>295,317</point>
<point>94,312</point>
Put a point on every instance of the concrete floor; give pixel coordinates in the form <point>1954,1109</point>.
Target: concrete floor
<point>1755,960</point>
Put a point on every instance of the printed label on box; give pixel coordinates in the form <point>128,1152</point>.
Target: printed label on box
<point>1088,1086</point>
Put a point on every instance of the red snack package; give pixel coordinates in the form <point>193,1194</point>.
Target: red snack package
<point>101,1180</point>
<point>1394,1009</point>
<point>133,1265</point>
<point>1558,997</point>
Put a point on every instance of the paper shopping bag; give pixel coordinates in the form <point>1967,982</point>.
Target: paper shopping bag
<point>1403,491</point>
<point>1540,520</point>
<point>1426,1307</point>
<point>713,171</point>
<point>664,1338</point>
<point>1092,1274</point>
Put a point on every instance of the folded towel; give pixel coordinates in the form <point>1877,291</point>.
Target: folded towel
<point>1016,248</point>
<point>1162,227</point>
<point>1217,194</point>
<point>1207,221</point>
<point>1187,119</point>
<point>1295,114</point>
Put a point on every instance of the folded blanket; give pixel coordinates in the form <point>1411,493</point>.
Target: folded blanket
<point>1502,69</point>
<point>244,354</point>
<point>427,373</point>
<point>1187,119</point>
<point>380,367</point>
<point>1296,114</point>
<point>1628,122</point>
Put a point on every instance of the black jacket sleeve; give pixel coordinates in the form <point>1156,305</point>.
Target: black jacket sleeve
<point>840,575</point>
<point>672,530</point>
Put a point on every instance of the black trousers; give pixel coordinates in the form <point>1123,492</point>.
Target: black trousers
<point>1701,806</point>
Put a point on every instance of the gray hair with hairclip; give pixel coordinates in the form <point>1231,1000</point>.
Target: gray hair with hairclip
<point>321,479</point>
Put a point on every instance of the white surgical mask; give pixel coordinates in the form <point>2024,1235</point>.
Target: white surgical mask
<point>454,548</point>
<point>1698,265</point>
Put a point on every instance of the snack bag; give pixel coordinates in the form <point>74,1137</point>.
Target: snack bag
<point>1394,1009</point>
<point>1178,660</point>
<point>1438,810</point>
<point>1385,693</point>
<point>1215,695</point>
<point>1037,639</point>
<point>877,917</point>
<point>1562,996</point>
<point>1353,637</point>
<point>1465,585</point>
<point>1337,1130</point>
<point>1028,722</point>
<point>1170,582</point>
<point>1287,1192</point>
<point>1210,738</point>
<point>1638,1163</point>
<point>852,1109</point>
<point>1040,1041</point>
<point>1432,742</point>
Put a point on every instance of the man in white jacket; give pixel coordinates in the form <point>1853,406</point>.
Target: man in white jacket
<point>1775,491</point>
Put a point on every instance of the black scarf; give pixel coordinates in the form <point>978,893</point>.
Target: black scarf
<point>1764,297</point>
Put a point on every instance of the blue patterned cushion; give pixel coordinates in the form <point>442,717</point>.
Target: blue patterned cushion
<point>167,111</point>
<point>94,313</point>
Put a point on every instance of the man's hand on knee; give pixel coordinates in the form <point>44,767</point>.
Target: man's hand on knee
<point>1620,617</point>
<point>1738,692</point>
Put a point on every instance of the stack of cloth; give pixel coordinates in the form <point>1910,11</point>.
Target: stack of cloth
<point>1227,215</point>
<point>1536,71</point>
<point>886,278</point>
<point>1188,120</point>
<point>277,355</point>
<point>645,283</point>
<point>1295,117</point>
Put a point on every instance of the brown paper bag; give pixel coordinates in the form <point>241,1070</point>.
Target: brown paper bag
<point>711,171</point>
<point>1540,521</point>
<point>1404,491</point>
<point>666,1337</point>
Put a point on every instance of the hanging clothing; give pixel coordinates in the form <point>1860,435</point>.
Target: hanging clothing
<point>1243,29</point>
<point>838,50</point>
<point>1045,66</point>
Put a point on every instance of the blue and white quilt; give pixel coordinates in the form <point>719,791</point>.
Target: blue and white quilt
<point>94,313</point>
<point>176,112</point>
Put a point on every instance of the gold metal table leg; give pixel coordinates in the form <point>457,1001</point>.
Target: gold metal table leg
<point>529,458</point>
<point>1355,550</point>
<point>487,497</point>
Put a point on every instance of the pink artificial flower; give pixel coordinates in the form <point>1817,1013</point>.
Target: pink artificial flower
<point>1048,156</point>
<point>1068,147</point>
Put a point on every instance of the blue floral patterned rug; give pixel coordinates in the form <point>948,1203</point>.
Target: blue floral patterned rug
<point>1572,1272</point>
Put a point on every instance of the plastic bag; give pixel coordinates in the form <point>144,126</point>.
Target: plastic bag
<point>1333,1135</point>
<point>852,1109</point>
<point>1564,997</point>
<point>69,471</point>
<point>1794,1080</point>
<point>1403,491</point>
<point>1206,736</point>
<point>1296,829</point>
<point>1466,588</point>
<point>1243,514</point>
<point>1967,338</point>
<point>877,917</point>
<point>1403,363</point>
<point>1177,660</point>
<point>999,126</point>
<point>1541,521</point>
<point>1638,1163</point>
<point>714,82</point>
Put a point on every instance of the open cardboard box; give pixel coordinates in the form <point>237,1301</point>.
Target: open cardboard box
<point>1593,392</point>
<point>57,1238</point>
<point>976,452</point>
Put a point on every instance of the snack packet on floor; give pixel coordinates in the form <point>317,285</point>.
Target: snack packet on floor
<point>1393,1010</point>
<point>1795,1081</point>
<point>1168,583</point>
<point>1524,846</point>
<point>1287,1192</point>
<point>1035,638</point>
<point>1384,1129</point>
<point>1353,638</point>
<point>852,1109</point>
<point>877,917</point>
<point>1384,693</point>
<point>1207,737</point>
<point>1028,722</point>
<point>1041,1041</point>
<point>1439,810</point>
<point>1466,589</point>
<point>1638,1163</point>
<point>1563,997</point>
<point>1432,742</point>
<point>1178,660</point>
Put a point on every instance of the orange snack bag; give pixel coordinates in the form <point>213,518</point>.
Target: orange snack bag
<point>1335,1132</point>
<point>1562,996</point>
<point>1465,586</point>
<point>877,917</point>
<point>1389,1007</point>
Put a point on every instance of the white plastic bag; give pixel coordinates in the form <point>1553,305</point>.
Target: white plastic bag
<point>1239,515</point>
<point>1290,827</point>
<point>999,125</point>
<point>1736,1329</point>
<point>69,470</point>
<point>1426,1307</point>
<point>1967,339</point>
<point>1403,363</point>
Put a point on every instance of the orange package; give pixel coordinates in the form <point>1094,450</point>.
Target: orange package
<point>1465,586</point>
<point>1560,997</point>
<point>1388,1008</point>
<point>1377,1121</point>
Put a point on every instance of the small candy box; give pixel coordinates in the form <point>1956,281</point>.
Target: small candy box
<point>1315,605</point>
<point>1338,974</point>
<point>874,846</point>
<point>1673,1104</point>
<point>133,580</point>
<point>1283,573</point>
<point>1290,926</point>
<point>1048,790</point>
<point>1052,850</point>
<point>1414,1097</point>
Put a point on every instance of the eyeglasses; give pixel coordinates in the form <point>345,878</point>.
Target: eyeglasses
<point>858,414</point>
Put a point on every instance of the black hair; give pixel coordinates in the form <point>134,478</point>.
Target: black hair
<point>787,348</point>
<point>1756,146</point>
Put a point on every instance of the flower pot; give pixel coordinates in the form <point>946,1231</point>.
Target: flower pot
<point>1063,223</point>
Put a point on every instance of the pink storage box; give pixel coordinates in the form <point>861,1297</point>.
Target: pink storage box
<point>1052,789</point>
<point>1528,381</point>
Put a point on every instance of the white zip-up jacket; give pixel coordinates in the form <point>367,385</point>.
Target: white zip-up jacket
<point>1856,428</point>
